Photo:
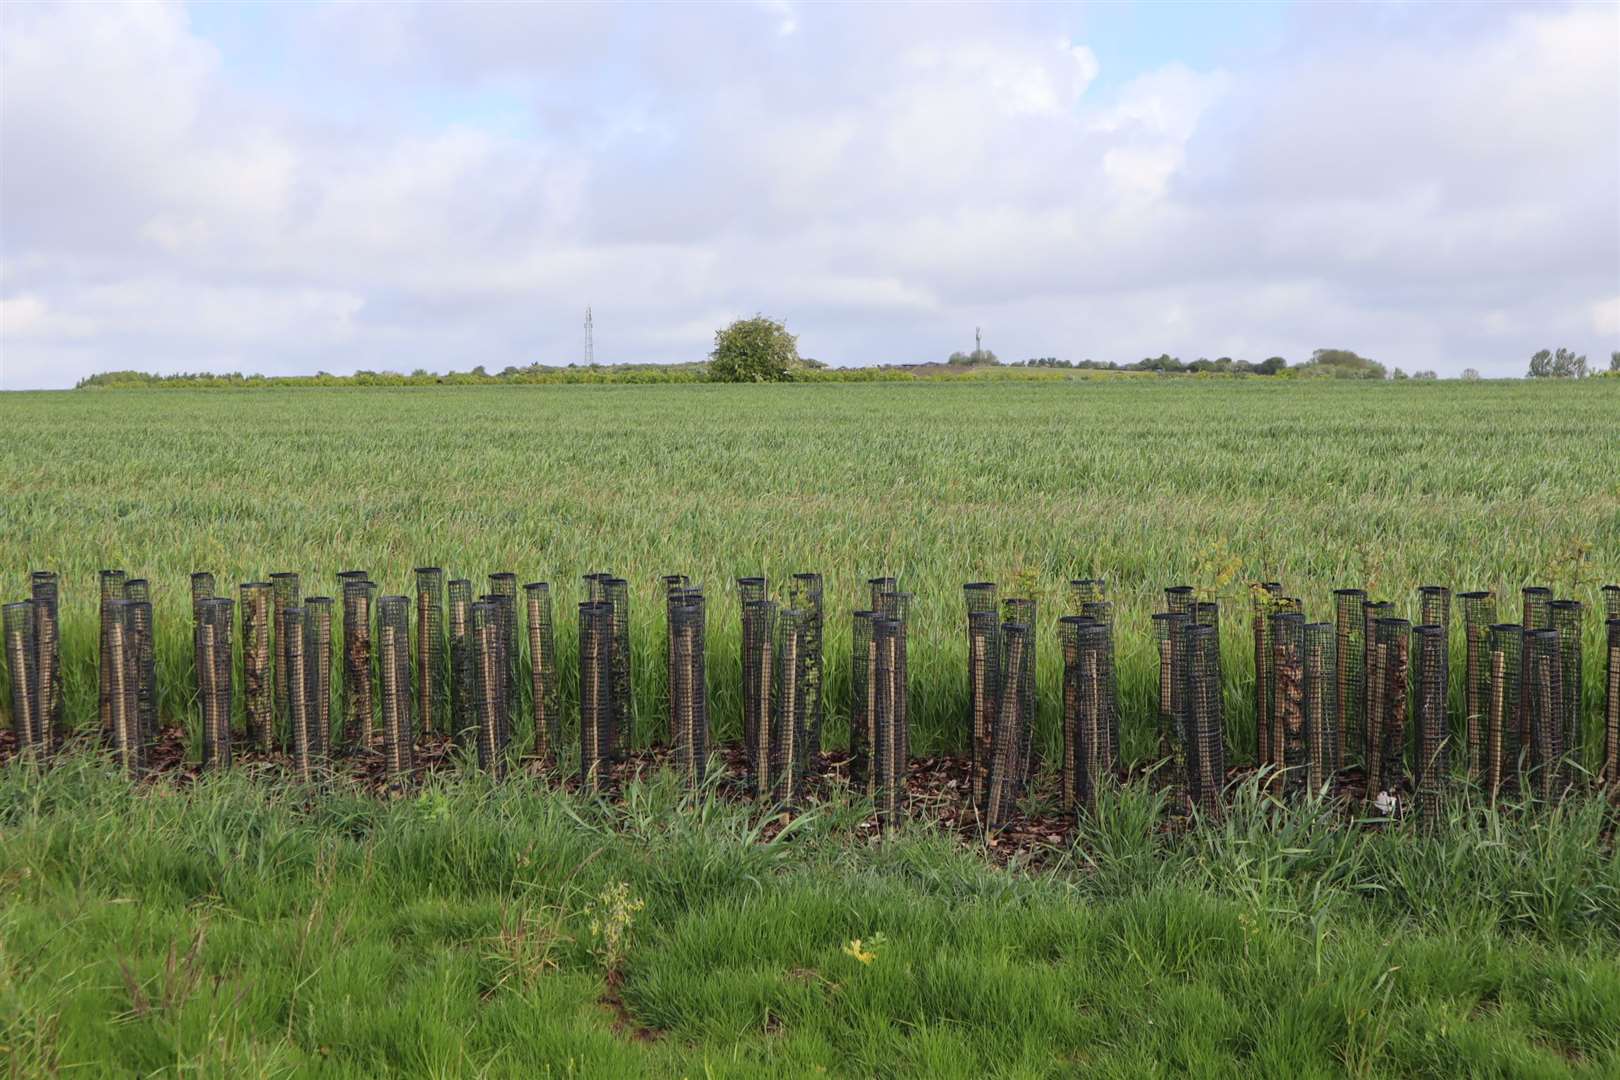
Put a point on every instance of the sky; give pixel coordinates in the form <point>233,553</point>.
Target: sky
<point>291,188</point>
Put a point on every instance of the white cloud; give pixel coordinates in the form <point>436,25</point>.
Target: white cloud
<point>883,178</point>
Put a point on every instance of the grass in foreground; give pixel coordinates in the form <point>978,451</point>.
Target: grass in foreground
<point>241,927</point>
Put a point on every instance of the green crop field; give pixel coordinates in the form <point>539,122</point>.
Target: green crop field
<point>239,926</point>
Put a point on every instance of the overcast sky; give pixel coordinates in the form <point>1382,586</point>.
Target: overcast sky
<point>287,188</point>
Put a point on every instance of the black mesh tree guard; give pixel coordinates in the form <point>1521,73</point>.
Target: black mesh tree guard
<point>889,759</point>
<point>689,687</point>
<point>790,706</point>
<point>287,592</point>
<point>1431,678</point>
<point>545,704</point>
<point>1566,616</point>
<point>293,661</point>
<point>432,663</point>
<point>1167,625</point>
<point>22,665</point>
<point>119,659</point>
<point>1179,599</point>
<point>1350,671</point>
<point>464,702</point>
<point>1371,612</point>
<point>318,675</point>
<point>211,648</point>
<point>675,588</point>
<point>1024,611</point>
<point>394,652</point>
<point>1611,602</point>
<point>357,693</point>
<point>1504,670</point>
<point>1088,714</point>
<point>1083,591</point>
<point>984,694</point>
<point>45,588</point>
<point>879,586</point>
<point>980,596</point>
<point>504,587</point>
<point>805,593</point>
<point>488,683</point>
<point>1434,607</point>
<point>202,591</point>
<point>1386,734</point>
<point>1288,749</point>
<point>1014,714</point>
<point>1478,612</point>
<point>1263,603</point>
<point>139,593</point>
<point>617,591</point>
<point>1322,744</point>
<point>1206,749</point>
<point>257,703</point>
<point>1544,691</point>
<point>863,689</point>
<point>595,691</point>
<point>1208,613</point>
<point>759,633</point>
<point>1534,600</point>
<point>897,606</point>
<point>1611,706</point>
<point>503,733</point>
<point>112,589</point>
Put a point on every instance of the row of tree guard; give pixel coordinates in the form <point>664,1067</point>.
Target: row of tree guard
<point>1368,689</point>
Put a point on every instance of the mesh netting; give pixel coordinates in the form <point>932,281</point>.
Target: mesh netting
<point>257,712</point>
<point>543,677</point>
<point>1023,610</point>
<point>805,593</point>
<point>1208,613</point>
<point>1478,612</point>
<point>46,591</point>
<point>292,662</point>
<point>464,701</point>
<point>1179,599</point>
<point>1611,706</point>
<point>394,655</point>
<point>879,586</point>
<point>897,606</point>
<point>984,693</point>
<point>1544,692</point>
<point>286,592</point>
<point>595,691</point>
<point>318,674</point>
<point>144,644</point>
<point>1083,591</point>
<point>862,703</point>
<point>1431,677</point>
<point>759,632</point>
<point>1533,605</point>
<point>488,682</point>
<point>119,659</point>
<point>1434,607</point>
<point>1371,612</point>
<point>980,596</point>
<point>503,594</point>
<point>432,670</point>
<point>1386,733</point>
<point>1566,616</point>
<point>1088,714</point>
<point>1322,745</point>
<point>675,586</point>
<point>1166,626</point>
<point>211,648</point>
<point>888,757</point>
<point>787,749</point>
<point>359,595</point>
<point>1262,605</point>
<point>1350,670</point>
<point>1010,738</point>
<point>112,589</point>
<point>1288,748</point>
<point>1504,674</point>
<point>689,687</point>
<point>22,666</point>
<point>1206,750</point>
<point>1611,602</point>
<point>617,592</point>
